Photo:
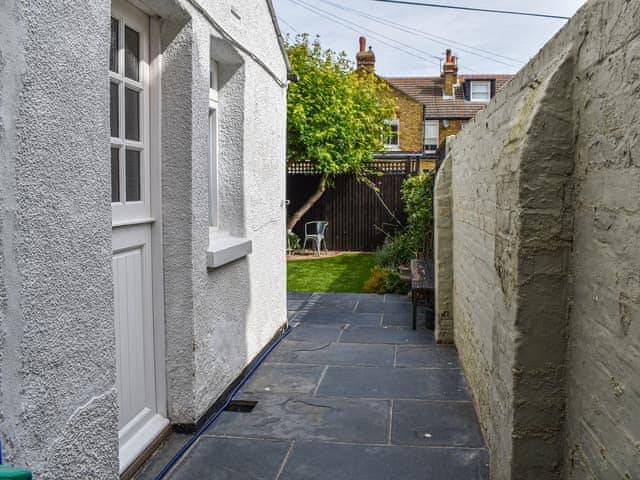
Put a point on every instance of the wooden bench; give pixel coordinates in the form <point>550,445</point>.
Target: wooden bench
<point>422,288</point>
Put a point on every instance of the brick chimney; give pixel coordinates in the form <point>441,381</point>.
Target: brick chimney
<point>449,74</point>
<point>365,58</point>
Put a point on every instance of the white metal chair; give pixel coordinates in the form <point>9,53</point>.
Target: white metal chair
<point>315,231</point>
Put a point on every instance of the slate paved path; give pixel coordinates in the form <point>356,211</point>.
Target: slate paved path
<point>351,393</point>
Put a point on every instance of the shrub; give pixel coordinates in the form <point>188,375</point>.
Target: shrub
<point>384,280</point>
<point>417,195</point>
<point>396,249</point>
<point>293,241</point>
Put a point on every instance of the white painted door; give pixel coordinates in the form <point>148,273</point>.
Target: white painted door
<point>141,413</point>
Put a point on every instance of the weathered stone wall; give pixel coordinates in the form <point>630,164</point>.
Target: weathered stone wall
<point>545,188</point>
<point>443,248</point>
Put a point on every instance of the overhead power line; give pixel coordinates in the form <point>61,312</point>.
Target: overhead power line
<point>288,24</point>
<point>472,9</point>
<point>434,38</point>
<point>378,36</point>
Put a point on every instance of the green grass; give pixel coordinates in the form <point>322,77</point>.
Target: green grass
<point>344,273</point>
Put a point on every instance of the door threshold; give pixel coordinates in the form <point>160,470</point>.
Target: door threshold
<point>135,451</point>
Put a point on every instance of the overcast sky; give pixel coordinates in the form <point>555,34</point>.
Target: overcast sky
<point>516,37</point>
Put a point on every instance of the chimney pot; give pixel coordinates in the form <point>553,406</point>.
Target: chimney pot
<point>363,44</point>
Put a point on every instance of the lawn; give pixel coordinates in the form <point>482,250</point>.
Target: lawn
<point>344,273</point>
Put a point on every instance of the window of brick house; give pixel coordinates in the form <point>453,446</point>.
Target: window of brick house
<point>480,91</point>
<point>392,141</point>
<point>431,135</point>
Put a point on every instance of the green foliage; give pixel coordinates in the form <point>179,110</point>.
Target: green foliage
<point>417,195</point>
<point>335,115</point>
<point>396,250</point>
<point>293,241</point>
<point>415,240</point>
<point>384,280</point>
<point>344,273</point>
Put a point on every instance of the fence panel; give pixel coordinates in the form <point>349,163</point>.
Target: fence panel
<point>352,208</point>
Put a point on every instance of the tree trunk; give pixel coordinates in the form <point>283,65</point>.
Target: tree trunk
<point>306,206</point>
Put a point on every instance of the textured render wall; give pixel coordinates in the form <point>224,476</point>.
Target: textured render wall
<point>218,320</point>
<point>545,186</point>
<point>603,383</point>
<point>57,353</point>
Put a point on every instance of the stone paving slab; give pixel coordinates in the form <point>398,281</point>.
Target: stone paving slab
<point>427,356</point>
<point>232,459</point>
<point>392,335</point>
<point>298,296</point>
<point>301,379</point>
<point>308,418</point>
<point>333,354</point>
<point>321,461</point>
<point>337,307</point>
<point>385,382</point>
<point>435,423</point>
<point>322,317</point>
<point>345,396</point>
<point>355,297</point>
<point>395,298</point>
<point>366,306</point>
<point>315,333</point>
<point>401,320</point>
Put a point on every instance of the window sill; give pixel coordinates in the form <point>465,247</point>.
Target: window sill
<point>224,248</point>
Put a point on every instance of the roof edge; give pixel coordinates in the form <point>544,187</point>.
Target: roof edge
<point>283,49</point>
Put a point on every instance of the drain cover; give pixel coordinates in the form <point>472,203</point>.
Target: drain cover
<point>243,406</point>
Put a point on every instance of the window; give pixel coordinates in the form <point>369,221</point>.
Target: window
<point>431,135</point>
<point>480,91</point>
<point>128,122</point>
<point>213,143</point>
<point>392,141</point>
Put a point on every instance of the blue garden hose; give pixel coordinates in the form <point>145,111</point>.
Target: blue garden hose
<point>217,413</point>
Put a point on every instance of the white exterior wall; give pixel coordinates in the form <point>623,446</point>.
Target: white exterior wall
<point>218,320</point>
<point>58,411</point>
<point>58,402</point>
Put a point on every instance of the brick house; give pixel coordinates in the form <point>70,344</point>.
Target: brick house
<point>405,141</point>
<point>449,101</point>
<point>431,108</point>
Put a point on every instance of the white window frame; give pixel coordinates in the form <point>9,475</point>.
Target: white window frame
<point>393,122</point>
<point>124,212</point>
<point>427,125</point>
<point>477,83</point>
<point>213,144</point>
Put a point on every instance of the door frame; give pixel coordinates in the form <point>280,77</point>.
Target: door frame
<point>153,218</point>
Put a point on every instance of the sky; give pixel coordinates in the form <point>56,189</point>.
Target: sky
<point>415,45</point>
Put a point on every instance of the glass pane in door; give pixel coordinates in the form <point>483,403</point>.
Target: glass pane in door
<point>133,176</point>
<point>113,50</point>
<point>115,175</point>
<point>131,53</point>
<point>132,114</point>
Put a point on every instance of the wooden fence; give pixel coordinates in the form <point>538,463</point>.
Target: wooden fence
<point>352,208</point>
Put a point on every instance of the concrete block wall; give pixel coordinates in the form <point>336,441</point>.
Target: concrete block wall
<point>443,253</point>
<point>545,185</point>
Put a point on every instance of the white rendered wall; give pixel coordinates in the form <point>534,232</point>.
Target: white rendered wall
<point>218,320</point>
<point>58,410</point>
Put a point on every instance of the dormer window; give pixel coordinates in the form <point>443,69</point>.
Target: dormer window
<point>392,141</point>
<point>480,90</point>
